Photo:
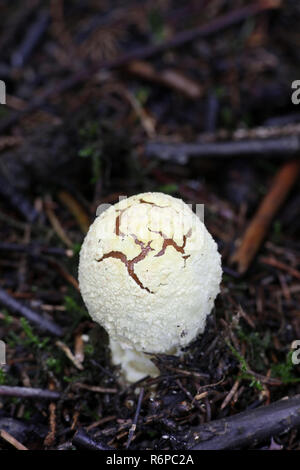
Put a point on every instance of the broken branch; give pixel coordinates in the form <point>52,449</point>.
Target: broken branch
<point>181,152</point>
<point>249,427</point>
<point>255,233</point>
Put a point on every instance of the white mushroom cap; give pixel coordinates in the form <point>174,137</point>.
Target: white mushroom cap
<point>149,273</point>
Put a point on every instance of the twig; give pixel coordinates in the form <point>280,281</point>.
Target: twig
<point>12,440</point>
<point>16,22</point>
<point>188,373</point>
<point>261,132</point>
<point>247,428</point>
<point>216,25</point>
<point>232,392</point>
<point>69,354</point>
<point>170,78</point>
<point>34,249</point>
<point>42,323</point>
<point>280,265</point>
<point>101,421</point>
<point>33,36</point>
<point>212,111</point>
<point>95,388</point>
<point>50,438</point>
<point>135,419</point>
<point>255,233</point>
<point>25,392</point>
<point>82,439</point>
<point>181,152</point>
<point>79,348</point>
<point>56,225</point>
<point>62,271</point>
<point>282,120</point>
<point>76,209</point>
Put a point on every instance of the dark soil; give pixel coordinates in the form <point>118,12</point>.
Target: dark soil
<point>86,145</point>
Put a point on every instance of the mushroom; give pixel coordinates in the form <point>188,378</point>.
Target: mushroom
<point>149,273</point>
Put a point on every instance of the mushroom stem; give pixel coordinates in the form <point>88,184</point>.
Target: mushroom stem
<point>135,365</point>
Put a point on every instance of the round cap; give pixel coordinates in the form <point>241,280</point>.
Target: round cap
<point>149,273</point>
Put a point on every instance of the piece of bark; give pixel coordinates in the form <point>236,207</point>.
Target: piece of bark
<point>247,428</point>
<point>257,230</point>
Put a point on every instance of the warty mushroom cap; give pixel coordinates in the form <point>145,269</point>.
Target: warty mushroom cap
<point>149,273</point>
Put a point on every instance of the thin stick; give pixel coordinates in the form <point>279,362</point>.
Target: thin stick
<point>50,438</point>
<point>35,249</point>
<point>181,152</point>
<point>12,440</point>
<point>62,271</point>
<point>95,388</point>
<point>136,417</point>
<point>69,354</point>
<point>231,393</point>
<point>82,439</point>
<point>42,323</point>
<point>247,428</point>
<point>169,78</point>
<point>279,265</point>
<point>180,39</point>
<point>27,392</point>
<point>56,225</point>
<point>76,209</point>
<point>256,232</point>
<point>33,36</point>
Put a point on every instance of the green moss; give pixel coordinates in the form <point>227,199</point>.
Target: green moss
<point>285,370</point>
<point>54,364</point>
<point>31,338</point>
<point>244,368</point>
<point>2,376</point>
<point>168,188</point>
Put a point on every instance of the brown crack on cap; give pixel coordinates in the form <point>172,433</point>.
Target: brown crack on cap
<point>130,263</point>
<point>171,242</point>
<point>121,211</point>
<point>145,249</point>
<point>118,223</point>
<point>142,201</point>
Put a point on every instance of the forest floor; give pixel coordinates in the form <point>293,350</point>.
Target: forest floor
<point>188,98</point>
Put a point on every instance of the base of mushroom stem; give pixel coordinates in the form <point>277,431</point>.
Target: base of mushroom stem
<point>135,365</point>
